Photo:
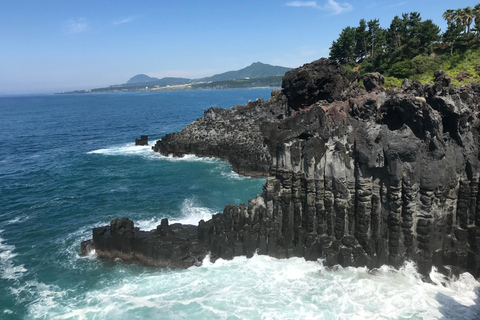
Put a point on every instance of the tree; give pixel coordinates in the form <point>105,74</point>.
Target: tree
<point>342,50</point>
<point>468,17</point>
<point>410,36</point>
<point>395,35</point>
<point>459,17</point>
<point>427,34</point>
<point>361,35</point>
<point>476,15</point>
<point>451,35</point>
<point>376,37</point>
<point>448,15</point>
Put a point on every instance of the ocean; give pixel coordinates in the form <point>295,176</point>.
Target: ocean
<point>68,163</point>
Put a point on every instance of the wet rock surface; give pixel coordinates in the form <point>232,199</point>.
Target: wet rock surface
<point>356,177</point>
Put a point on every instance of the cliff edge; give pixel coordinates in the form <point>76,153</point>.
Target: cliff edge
<point>356,175</point>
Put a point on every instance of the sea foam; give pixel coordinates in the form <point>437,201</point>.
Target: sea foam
<point>124,149</point>
<point>130,149</point>
<point>189,213</point>
<point>267,288</point>
<point>8,270</point>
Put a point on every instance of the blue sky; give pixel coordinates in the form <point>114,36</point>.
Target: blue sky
<point>51,46</point>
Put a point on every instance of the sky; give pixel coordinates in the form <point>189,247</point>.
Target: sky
<point>53,46</point>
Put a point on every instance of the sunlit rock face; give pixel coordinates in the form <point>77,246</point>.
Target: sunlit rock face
<point>357,175</point>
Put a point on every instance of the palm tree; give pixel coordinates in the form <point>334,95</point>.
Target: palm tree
<point>448,15</point>
<point>476,14</point>
<point>468,17</point>
<point>459,17</point>
<point>476,11</point>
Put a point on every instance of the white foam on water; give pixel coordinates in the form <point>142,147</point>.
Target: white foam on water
<point>232,175</point>
<point>187,158</point>
<point>41,298</point>
<point>8,270</point>
<point>148,224</point>
<point>189,213</point>
<point>69,255</point>
<point>18,219</point>
<point>267,288</point>
<point>130,149</point>
<point>192,214</point>
<point>124,149</point>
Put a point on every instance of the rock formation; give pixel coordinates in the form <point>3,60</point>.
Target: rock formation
<point>232,135</point>
<point>143,141</point>
<point>356,175</point>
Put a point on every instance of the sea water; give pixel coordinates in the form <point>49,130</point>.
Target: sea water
<point>68,163</point>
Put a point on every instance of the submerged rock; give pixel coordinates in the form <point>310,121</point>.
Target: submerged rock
<point>356,177</point>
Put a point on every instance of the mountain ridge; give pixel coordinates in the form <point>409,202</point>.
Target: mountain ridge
<point>256,75</point>
<point>255,70</point>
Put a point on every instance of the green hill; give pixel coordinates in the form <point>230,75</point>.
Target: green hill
<point>142,79</point>
<point>255,70</point>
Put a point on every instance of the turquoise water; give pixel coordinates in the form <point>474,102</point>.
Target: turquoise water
<point>68,164</point>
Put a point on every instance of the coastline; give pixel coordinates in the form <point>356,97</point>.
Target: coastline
<point>163,89</point>
<point>352,177</point>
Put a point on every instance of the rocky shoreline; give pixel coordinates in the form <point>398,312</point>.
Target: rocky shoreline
<point>356,175</point>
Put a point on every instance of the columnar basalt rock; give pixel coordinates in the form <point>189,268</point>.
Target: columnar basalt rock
<point>358,177</point>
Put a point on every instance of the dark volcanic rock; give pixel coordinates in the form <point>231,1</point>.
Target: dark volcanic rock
<point>177,248</point>
<point>354,177</point>
<point>373,81</point>
<point>143,141</point>
<point>231,135</point>
<point>320,80</point>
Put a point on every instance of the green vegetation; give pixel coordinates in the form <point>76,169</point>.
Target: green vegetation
<point>255,70</point>
<point>273,82</point>
<point>412,48</point>
<point>242,83</point>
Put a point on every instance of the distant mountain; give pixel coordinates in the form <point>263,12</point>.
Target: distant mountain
<point>243,78</point>
<point>255,70</point>
<point>141,78</point>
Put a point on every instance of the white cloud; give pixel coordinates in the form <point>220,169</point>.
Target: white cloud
<point>330,6</point>
<point>312,4</point>
<point>122,21</point>
<point>396,4</point>
<point>75,25</point>
<point>337,7</point>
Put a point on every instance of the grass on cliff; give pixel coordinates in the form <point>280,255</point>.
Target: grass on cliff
<point>463,67</point>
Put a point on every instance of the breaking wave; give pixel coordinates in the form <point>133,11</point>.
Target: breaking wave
<point>189,214</point>
<point>266,288</point>
<point>130,149</point>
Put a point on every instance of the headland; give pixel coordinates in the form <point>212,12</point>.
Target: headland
<point>355,174</point>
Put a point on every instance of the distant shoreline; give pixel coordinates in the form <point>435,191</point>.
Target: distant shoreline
<point>164,89</point>
<point>239,83</point>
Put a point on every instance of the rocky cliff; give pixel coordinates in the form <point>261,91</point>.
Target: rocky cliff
<point>356,175</point>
